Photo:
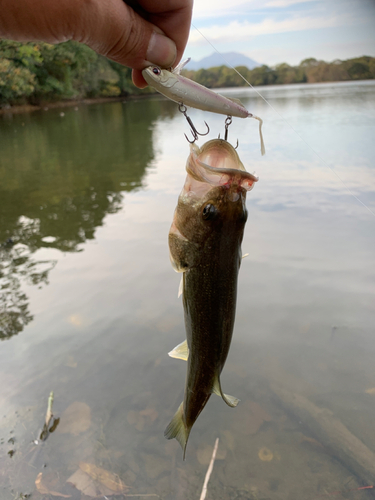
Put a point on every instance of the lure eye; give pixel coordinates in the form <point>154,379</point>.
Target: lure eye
<point>209,212</point>
<point>156,70</point>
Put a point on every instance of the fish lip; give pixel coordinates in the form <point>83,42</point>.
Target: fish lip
<point>230,171</point>
<point>227,151</point>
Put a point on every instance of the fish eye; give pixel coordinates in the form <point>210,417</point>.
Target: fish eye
<point>156,70</point>
<point>209,212</point>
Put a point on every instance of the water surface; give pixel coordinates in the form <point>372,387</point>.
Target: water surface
<point>89,305</point>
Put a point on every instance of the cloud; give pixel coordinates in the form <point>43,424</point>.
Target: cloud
<point>222,8</point>
<point>205,8</point>
<point>285,3</point>
<point>241,31</point>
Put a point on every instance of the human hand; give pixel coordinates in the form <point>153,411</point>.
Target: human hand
<point>136,33</point>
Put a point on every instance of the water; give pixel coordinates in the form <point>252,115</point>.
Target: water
<point>90,308</point>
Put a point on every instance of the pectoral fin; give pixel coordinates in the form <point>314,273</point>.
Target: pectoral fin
<point>183,253</point>
<point>230,400</point>
<point>181,351</point>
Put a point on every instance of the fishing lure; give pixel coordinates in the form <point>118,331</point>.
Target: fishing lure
<point>185,92</point>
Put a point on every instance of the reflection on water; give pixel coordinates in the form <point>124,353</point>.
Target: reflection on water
<point>86,201</point>
<point>16,265</point>
<point>55,192</point>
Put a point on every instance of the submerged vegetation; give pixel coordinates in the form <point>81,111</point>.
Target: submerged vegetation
<point>35,73</point>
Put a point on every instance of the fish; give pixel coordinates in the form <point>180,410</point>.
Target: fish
<point>205,246</point>
<point>189,93</point>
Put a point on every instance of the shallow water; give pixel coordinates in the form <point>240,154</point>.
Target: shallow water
<point>89,305</point>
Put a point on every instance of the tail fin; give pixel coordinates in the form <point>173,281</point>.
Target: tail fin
<point>177,429</point>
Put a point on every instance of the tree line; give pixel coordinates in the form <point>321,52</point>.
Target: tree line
<point>308,71</point>
<point>35,73</point>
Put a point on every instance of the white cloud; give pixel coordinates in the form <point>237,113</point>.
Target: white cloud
<point>218,8</point>
<point>242,31</point>
<point>285,3</point>
<point>222,8</point>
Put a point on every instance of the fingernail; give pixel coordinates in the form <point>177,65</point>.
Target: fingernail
<point>161,50</point>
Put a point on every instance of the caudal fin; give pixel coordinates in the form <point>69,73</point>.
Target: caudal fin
<point>177,429</point>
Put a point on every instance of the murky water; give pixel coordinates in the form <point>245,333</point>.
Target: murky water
<point>89,305</point>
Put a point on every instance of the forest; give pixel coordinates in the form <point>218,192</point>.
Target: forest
<point>308,71</point>
<point>38,73</point>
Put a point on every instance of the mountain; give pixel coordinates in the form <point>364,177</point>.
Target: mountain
<point>215,59</point>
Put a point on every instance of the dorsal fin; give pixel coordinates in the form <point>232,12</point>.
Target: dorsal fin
<point>180,66</point>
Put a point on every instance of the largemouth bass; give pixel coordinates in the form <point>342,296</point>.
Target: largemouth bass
<point>205,245</point>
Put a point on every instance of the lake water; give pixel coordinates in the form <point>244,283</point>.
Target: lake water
<point>89,305</point>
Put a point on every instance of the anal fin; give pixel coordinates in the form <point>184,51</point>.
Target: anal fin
<point>229,400</point>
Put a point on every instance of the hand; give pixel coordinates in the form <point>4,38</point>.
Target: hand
<point>136,33</point>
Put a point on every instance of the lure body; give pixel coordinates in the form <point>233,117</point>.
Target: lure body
<point>183,90</point>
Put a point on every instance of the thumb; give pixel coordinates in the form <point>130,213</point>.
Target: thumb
<point>115,30</point>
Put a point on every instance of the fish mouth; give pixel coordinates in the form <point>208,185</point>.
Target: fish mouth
<point>218,164</point>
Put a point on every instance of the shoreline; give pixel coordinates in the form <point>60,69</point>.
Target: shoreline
<point>29,108</point>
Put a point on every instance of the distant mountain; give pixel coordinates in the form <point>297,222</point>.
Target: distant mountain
<point>215,59</point>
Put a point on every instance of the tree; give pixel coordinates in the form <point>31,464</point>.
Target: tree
<point>16,83</point>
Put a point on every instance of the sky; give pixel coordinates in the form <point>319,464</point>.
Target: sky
<point>276,31</point>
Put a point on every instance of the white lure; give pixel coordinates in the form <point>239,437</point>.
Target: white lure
<point>180,89</point>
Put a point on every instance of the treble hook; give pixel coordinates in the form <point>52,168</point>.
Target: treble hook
<point>228,121</point>
<point>235,147</point>
<point>182,109</point>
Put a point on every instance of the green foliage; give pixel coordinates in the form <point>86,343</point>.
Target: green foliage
<point>309,70</point>
<point>40,72</point>
<point>15,82</point>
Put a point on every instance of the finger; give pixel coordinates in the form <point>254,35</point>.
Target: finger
<point>173,17</point>
<point>113,29</point>
<point>138,79</point>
